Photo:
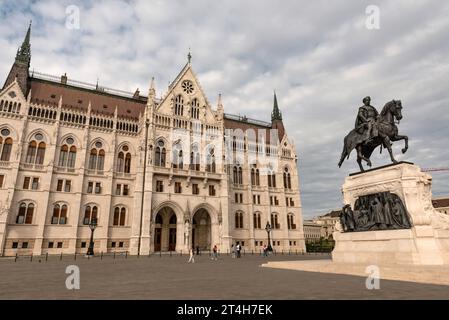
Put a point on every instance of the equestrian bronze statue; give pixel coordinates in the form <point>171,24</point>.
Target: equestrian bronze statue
<point>372,130</point>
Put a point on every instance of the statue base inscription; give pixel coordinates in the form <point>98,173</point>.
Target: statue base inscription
<point>388,218</point>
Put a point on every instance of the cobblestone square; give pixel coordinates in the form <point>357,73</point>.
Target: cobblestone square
<point>165,277</point>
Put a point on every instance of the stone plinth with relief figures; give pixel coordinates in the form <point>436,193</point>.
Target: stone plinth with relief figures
<point>388,218</point>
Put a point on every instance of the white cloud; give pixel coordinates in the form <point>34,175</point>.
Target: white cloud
<point>317,55</point>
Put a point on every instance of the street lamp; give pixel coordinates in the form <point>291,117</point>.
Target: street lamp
<point>92,226</point>
<point>268,229</point>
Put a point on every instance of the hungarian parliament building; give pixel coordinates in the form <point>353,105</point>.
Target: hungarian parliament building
<point>149,173</point>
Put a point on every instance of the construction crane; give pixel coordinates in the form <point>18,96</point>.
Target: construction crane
<point>435,169</point>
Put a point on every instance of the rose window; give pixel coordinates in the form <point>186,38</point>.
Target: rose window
<point>187,86</point>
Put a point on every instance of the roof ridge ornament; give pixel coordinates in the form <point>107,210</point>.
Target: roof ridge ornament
<point>189,57</point>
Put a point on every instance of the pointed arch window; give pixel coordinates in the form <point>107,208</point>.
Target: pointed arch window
<point>59,214</point>
<point>255,176</point>
<point>195,158</point>
<point>40,155</point>
<point>195,110</point>
<point>72,157</point>
<point>5,145</point>
<point>275,221</point>
<point>179,106</point>
<point>100,160</point>
<point>31,152</point>
<point>240,175</point>
<point>90,213</point>
<point>63,155</point>
<point>177,157</point>
<point>291,221</point>
<point>119,216</point>
<point>124,160</point>
<point>257,221</point>
<point>235,175</point>
<point>93,159</point>
<point>128,163</point>
<point>271,177</point>
<point>239,220</point>
<point>160,154</point>
<point>210,161</point>
<point>25,215</point>
<point>287,179</point>
<point>158,219</point>
<point>120,161</point>
<point>96,157</point>
<point>36,150</point>
<point>67,154</point>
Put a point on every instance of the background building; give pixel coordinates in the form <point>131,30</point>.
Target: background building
<point>327,223</point>
<point>313,232</point>
<point>441,204</point>
<point>158,174</point>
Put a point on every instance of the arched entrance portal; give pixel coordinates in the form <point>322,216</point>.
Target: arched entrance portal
<point>201,230</point>
<point>165,230</point>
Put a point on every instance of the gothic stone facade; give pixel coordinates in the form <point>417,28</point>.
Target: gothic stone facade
<point>156,174</point>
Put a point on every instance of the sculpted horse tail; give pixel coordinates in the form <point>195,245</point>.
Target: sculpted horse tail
<point>345,153</point>
<point>350,143</point>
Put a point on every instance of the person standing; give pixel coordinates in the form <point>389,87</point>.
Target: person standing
<point>265,251</point>
<point>215,250</point>
<point>192,256</point>
<point>232,251</point>
<point>237,249</point>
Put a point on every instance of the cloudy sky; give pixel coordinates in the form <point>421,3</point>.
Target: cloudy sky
<point>319,56</point>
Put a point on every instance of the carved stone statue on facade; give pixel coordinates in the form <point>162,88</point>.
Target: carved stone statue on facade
<point>381,211</point>
<point>373,130</point>
<point>186,232</point>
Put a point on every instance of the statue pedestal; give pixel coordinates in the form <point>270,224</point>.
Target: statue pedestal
<point>425,243</point>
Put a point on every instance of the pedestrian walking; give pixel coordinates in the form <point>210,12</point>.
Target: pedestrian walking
<point>238,248</point>
<point>232,251</point>
<point>192,257</point>
<point>215,253</point>
<point>197,250</point>
<point>265,250</point>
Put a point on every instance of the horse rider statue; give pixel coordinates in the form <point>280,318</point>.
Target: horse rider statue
<point>374,129</point>
<point>367,120</point>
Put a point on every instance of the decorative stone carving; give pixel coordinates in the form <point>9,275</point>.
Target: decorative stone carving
<point>379,211</point>
<point>392,206</point>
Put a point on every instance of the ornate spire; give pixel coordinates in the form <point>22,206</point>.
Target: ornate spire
<point>152,91</point>
<point>20,69</point>
<point>276,114</point>
<point>219,104</point>
<point>24,52</point>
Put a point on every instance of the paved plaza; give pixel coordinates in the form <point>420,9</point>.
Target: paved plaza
<point>172,277</point>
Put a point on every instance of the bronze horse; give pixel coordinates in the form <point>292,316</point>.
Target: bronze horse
<point>387,132</point>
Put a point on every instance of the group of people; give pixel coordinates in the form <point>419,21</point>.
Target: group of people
<point>214,255</point>
<point>235,252</point>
